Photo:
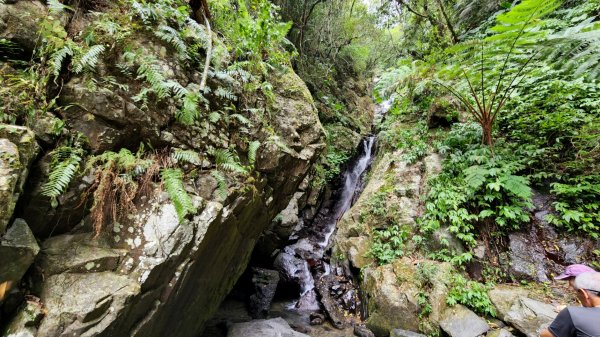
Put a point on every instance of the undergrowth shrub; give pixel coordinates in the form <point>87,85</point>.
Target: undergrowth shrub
<point>476,192</point>
<point>471,294</point>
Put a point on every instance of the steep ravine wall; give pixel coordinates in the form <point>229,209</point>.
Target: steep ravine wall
<point>149,274</point>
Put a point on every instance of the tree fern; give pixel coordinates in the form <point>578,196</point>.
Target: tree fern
<point>173,182</point>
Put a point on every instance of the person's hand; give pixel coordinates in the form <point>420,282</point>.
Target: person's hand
<point>559,307</point>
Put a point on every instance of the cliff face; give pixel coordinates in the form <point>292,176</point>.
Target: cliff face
<point>148,272</point>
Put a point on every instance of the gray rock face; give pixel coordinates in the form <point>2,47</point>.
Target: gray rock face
<point>459,321</point>
<point>154,276</point>
<point>525,314</point>
<point>18,249</point>
<point>18,22</point>
<point>527,259</point>
<point>404,333</point>
<point>17,151</point>
<point>276,327</point>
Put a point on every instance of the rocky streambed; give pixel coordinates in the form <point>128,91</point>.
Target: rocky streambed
<point>306,286</point>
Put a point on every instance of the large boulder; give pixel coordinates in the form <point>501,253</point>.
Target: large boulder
<point>459,321</point>
<point>19,23</point>
<point>276,327</point>
<point>151,274</point>
<point>394,288</point>
<point>18,249</point>
<point>18,149</point>
<point>265,284</point>
<point>527,315</point>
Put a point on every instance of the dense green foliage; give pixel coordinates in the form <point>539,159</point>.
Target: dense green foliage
<point>546,127</point>
<point>517,95</point>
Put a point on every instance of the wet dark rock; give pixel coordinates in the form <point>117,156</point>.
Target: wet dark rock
<point>28,319</point>
<point>362,331</point>
<point>329,301</point>
<point>527,258</point>
<point>265,284</point>
<point>404,333</point>
<point>18,249</point>
<point>316,318</point>
<point>290,268</point>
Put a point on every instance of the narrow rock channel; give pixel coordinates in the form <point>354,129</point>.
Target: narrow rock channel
<point>316,295</point>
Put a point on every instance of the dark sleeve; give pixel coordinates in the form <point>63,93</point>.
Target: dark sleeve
<point>562,326</point>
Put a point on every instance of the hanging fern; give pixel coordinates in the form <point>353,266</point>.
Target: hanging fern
<point>65,163</point>
<point>252,150</point>
<point>171,36</point>
<point>173,182</point>
<point>58,58</point>
<point>227,161</point>
<point>89,60</point>
<point>221,183</point>
<point>56,7</point>
<point>186,156</point>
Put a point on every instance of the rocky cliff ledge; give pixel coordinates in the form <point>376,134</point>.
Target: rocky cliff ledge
<point>148,272</point>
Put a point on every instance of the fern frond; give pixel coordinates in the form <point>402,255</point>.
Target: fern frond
<point>173,182</point>
<point>240,118</point>
<point>89,60</point>
<point>186,156</point>
<point>66,161</point>
<point>221,183</point>
<point>227,161</point>
<point>225,93</point>
<point>58,58</point>
<point>252,150</point>
<point>214,117</point>
<point>56,7</point>
<point>189,111</point>
<point>171,36</point>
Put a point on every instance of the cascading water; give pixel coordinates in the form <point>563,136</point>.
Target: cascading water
<point>303,260</point>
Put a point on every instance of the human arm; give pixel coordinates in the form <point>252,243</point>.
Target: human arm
<point>546,333</point>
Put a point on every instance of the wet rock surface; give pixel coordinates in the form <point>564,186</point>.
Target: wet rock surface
<point>276,327</point>
<point>265,284</point>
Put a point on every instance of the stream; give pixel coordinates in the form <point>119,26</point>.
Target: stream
<point>311,286</point>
